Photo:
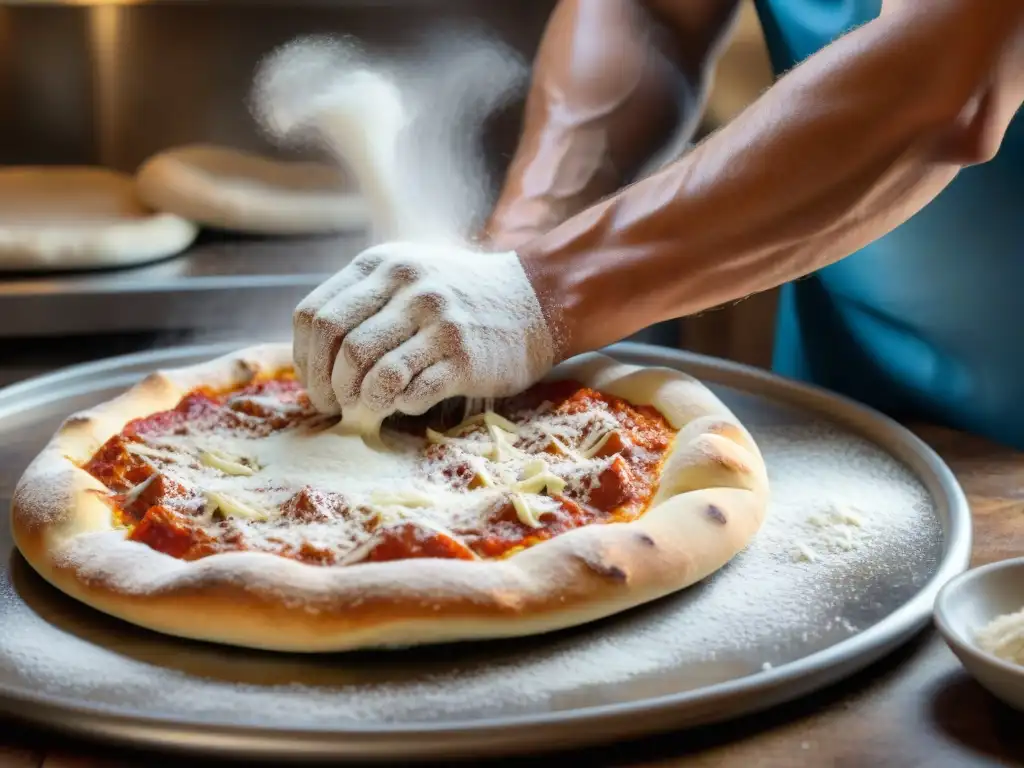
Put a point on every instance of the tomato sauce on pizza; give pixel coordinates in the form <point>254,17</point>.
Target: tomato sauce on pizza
<point>257,468</point>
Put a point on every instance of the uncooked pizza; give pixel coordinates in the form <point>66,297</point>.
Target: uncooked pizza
<point>214,502</point>
<point>241,192</point>
<point>57,218</point>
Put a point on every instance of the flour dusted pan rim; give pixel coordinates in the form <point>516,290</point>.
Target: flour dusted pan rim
<point>711,501</point>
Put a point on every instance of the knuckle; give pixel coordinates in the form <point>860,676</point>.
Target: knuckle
<point>431,303</point>
<point>367,261</point>
<point>391,376</point>
<point>418,359</point>
<point>306,309</point>
<point>388,381</point>
<point>303,316</point>
<point>451,333</point>
<point>322,324</point>
<point>404,271</point>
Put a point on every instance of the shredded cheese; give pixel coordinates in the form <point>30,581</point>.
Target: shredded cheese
<point>501,447</point>
<point>140,449</point>
<point>404,498</point>
<point>538,478</point>
<point>247,483</point>
<point>525,512</point>
<point>232,507</point>
<point>225,464</point>
<point>135,492</point>
<point>593,447</point>
<point>487,418</point>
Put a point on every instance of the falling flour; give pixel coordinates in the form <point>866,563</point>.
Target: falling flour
<point>409,131</point>
<point>762,610</point>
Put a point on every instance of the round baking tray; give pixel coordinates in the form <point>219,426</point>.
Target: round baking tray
<point>900,585</point>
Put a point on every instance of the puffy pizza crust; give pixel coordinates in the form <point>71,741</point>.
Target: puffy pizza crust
<point>58,218</point>
<point>711,501</point>
<point>242,192</point>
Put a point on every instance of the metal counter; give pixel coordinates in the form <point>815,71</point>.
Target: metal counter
<point>228,284</point>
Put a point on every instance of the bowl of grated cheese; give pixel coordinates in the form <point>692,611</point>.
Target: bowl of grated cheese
<point>980,615</point>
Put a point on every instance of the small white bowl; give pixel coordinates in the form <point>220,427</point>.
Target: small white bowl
<point>966,604</point>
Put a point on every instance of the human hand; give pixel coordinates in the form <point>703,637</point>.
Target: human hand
<point>406,325</point>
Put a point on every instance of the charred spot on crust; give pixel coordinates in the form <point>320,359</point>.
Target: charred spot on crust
<point>716,514</point>
<point>74,422</point>
<point>247,369</point>
<point>723,428</point>
<point>155,379</point>
<point>156,383</point>
<point>715,455</point>
<point>644,539</point>
<point>613,572</point>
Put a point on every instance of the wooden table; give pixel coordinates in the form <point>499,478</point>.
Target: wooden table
<point>916,708</point>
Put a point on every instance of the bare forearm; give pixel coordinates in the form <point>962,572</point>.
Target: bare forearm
<point>839,152</point>
<point>612,82</point>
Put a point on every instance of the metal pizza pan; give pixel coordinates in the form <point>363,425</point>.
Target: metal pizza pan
<point>769,627</point>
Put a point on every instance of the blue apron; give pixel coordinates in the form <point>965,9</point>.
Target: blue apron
<point>925,323</point>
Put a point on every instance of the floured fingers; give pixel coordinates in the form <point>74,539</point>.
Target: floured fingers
<point>432,385</point>
<point>388,384</point>
<point>325,317</point>
<point>364,348</point>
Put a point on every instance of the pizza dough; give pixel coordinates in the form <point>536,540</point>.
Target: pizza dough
<point>710,502</point>
<point>57,218</point>
<point>232,190</point>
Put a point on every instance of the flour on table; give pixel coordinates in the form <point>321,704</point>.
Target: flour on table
<point>763,608</point>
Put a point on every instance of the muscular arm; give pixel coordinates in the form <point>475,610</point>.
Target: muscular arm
<point>840,151</point>
<point>613,80</point>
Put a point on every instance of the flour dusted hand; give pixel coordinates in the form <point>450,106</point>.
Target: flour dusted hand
<point>406,325</point>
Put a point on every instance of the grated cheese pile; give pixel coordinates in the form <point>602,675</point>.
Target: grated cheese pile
<point>1003,637</point>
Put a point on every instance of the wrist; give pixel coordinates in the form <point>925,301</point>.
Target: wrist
<point>517,222</point>
<point>594,287</point>
<point>559,265</point>
<point>496,238</point>
<point>546,281</point>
